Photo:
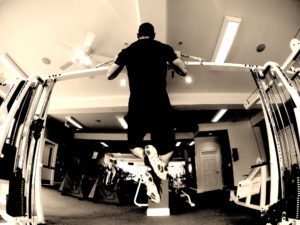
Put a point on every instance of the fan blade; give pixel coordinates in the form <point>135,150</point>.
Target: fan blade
<point>66,65</point>
<point>89,39</point>
<point>65,45</point>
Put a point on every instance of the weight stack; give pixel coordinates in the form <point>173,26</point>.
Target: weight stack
<point>15,200</point>
<point>294,199</point>
<point>7,162</point>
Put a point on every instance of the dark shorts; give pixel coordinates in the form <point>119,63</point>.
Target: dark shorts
<point>160,127</point>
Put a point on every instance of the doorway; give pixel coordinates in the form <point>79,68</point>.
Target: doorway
<point>213,161</point>
<point>49,161</point>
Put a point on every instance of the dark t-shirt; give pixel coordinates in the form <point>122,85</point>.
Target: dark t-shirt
<point>146,63</point>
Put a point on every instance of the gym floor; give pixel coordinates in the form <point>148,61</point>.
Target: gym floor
<point>211,209</point>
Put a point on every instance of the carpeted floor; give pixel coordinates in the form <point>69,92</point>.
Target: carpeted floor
<point>211,209</point>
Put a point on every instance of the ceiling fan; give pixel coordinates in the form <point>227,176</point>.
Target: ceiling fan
<point>83,54</point>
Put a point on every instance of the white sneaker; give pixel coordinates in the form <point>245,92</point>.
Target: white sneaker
<point>152,191</point>
<point>158,166</point>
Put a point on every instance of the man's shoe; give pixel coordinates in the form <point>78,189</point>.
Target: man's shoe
<point>152,191</point>
<point>158,166</point>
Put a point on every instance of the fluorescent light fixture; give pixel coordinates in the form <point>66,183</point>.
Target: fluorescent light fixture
<point>73,59</point>
<point>123,122</point>
<point>227,35</point>
<point>104,144</point>
<point>2,94</point>
<point>190,168</point>
<point>86,60</point>
<point>82,57</point>
<point>12,66</point>
<point>178,143</point>
<point>80,54</point>
<point>138,12</point>
<point>191,63</point>
<point>219,115</point>
<point>123,82</point>
<point>191,143</point>
<point>74,122</point>
<point>188,79</point>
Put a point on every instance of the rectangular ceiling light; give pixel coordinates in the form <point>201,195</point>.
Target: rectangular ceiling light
<point>104,144</point>
<point>12,66</point>
<point>178,143</point>
<point>2,94</point>
<point>123,122</point>
<point>191,143</point>
<point>192,63</point>
<point>74,122</point>
<point>227,35</point>
<point>218,115</point>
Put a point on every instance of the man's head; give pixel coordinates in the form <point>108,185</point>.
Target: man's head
<point>146,30</point>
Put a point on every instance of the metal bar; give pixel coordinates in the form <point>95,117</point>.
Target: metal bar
<point>224,66</point>
<point>274,168</point>
<point>35,158</point>
<point>23,141</point>
<point>136,195</point>
<point>101,69</point>
<point>263,187</point>
<point>251,206</point>
<point>287,83</point>
<point>8,111</point>
<point>38,160</point>
<point>275,163</point>
<point>77,74</point>
<point>285,80</point>
<point>295,47</point>
<point>280,124</point>
<point>279,90</point>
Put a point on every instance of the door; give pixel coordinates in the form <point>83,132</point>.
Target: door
<point>208,164</point>
<point>211,170</point>
<point>49,161</point>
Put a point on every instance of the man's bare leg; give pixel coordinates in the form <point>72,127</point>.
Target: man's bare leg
<point>147,178</point>
<point>138,151</point>
<point>166,158</point>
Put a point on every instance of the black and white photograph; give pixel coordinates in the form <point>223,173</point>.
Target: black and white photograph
<point>150,112</point>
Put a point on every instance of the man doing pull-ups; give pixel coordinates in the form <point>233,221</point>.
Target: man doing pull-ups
<point>149,108</point>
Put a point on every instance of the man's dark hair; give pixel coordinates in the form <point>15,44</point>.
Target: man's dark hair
<point>146,29</point>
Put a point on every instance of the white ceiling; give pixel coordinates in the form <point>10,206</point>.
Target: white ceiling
<point>33,29</point>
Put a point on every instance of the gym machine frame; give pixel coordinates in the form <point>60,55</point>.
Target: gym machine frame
<point>23,120</point>
<point>279,95</point>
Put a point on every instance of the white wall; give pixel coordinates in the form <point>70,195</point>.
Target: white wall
<point>241,136</point>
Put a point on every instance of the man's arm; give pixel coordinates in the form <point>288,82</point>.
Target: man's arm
<point>113,71</point>
<point>179,67</point>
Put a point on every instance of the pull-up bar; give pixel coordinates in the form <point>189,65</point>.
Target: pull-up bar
<point>104,67</point>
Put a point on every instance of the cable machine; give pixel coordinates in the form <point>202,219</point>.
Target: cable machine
<point>23,119</point>
<point>279,96</point>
